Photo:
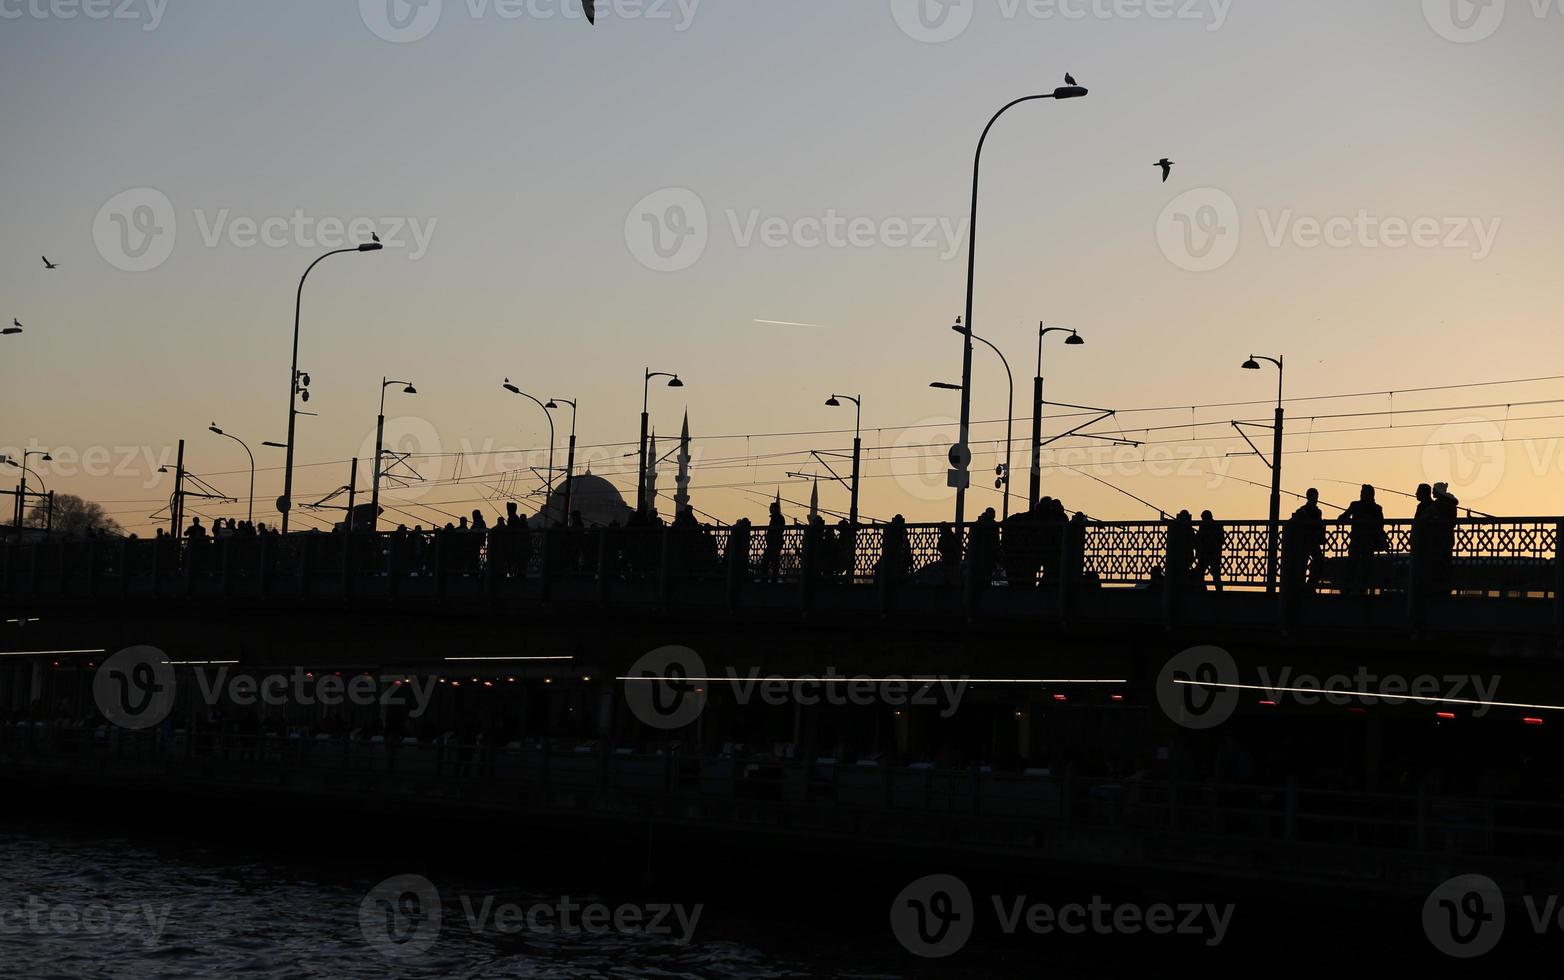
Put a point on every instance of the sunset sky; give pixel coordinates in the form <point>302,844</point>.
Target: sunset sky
<point>1371,189</point>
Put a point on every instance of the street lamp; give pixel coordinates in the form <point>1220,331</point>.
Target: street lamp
<point>548,496</point>
<point>9,331</point>
<point>1074,340</point>
<point>285,502</point>
<point>570,460</point>
<point>1009,411</point>
<point>835,402</point>
<point>1253,364</point>
<point>646,390</point>
<point>962,478</point>
<point>380,433</point>
<point>213,428</point>
<point>21,489</point>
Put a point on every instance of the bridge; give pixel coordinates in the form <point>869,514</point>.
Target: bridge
<point>1500,580</point>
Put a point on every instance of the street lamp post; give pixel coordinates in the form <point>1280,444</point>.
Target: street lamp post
<point>570,459</point>
<point>962,477</point>
<point>285,502</point>
<point>548,494</point>
<point>213,428</point>
<point>1009,410</point>
<point>1074,340</point>
<point>835,402</point>
<point>380,434</point>
<point>646,390</point>
<point>21,489</point>
<point>1253,364</point>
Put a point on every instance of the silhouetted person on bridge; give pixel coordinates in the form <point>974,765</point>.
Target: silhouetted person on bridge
<point>771,560</point>
<point>985,546</point>
<point>1446,513</point>
<point>737,556</point>
<point>1210,542</point>
<point>949,547</point>
<point>1366,522</point>
<point>1181,550</point>
<point>895,552</point>
<point>1303,545</point>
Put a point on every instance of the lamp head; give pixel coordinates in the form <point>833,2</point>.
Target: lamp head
<point>511,388</point>
<point>46,458</point>
<point>832,402</point>
<point>1074,340</point>
<point>371,247</point>
<point>676,383</point>
<point>1251,364</point>
<point>8,331</point>
<point>551,404</point>
<point>409,390</point>
<point>1070,92</point>
<point>213,428</point>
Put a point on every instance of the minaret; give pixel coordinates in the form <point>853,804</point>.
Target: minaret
<point>814,500</point>
<point>651,474</point>
<point>681,495</point>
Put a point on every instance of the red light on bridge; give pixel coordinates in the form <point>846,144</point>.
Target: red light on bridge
<point>1268,704</point>
<point>1533,721</point>
<point>1445,715</point>
<point>1060,697</point>
<point>1115,697</point>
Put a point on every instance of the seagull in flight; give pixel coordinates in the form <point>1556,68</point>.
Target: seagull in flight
<point>1167,168</point>
<point>591,10</point>
<point>1069,79</point>
<point>47,264</point>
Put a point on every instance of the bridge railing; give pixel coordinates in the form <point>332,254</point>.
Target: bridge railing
<point>1498,556</point>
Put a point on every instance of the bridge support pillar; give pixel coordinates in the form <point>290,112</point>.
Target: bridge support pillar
<point>1558,582</point>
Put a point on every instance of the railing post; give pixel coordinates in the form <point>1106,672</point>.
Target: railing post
<point>1558,581</point>
<point>547,552</point>
<point>440,561</point>
<point>806,569</point>
<point>491,567</point>
<point>604,563</point>
<point>263,550</point>
<point>664,568</point>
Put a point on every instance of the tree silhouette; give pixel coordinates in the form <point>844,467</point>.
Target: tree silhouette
<point>73,517</point>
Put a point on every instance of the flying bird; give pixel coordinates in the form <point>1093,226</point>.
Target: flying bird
<point>591,10</point>
<point>1167,168</point>
<point>49,265</point>
<point>1069,79</point>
